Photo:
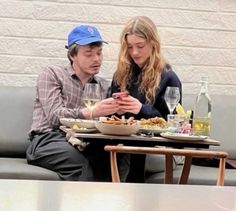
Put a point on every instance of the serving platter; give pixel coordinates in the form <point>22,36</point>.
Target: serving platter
<point>182,136</point>
<point>153,130</point>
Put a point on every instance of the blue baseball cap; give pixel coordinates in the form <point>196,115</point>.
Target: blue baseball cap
<point>84,35</point>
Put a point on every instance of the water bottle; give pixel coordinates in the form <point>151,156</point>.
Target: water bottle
<point>202,111</point>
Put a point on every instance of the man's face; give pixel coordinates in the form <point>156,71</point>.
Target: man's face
<point>88,60</point>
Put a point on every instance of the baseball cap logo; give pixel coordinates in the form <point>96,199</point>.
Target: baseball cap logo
<point>90,30</point>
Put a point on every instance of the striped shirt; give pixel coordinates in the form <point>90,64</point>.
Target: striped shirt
<point>59,94</point>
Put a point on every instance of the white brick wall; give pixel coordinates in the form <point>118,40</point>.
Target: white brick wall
<point>198,36</point>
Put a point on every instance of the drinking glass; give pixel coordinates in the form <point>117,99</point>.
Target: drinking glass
<point>91,95</point>
<point>172,97</point>
<point>105,89</point>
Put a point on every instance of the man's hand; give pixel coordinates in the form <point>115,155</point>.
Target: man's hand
<point>105,107</point>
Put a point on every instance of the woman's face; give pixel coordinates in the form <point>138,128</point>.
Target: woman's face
<point>138,49</point>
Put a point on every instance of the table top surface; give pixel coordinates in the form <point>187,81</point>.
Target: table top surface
<point>32,195</point>
<point>147,140</point>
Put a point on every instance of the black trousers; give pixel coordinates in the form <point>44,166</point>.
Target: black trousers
<point>52,151</point>
<point>137,169</point>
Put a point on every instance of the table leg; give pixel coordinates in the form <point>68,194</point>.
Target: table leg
<point>169,169</point>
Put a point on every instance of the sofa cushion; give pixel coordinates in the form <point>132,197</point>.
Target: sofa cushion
<point>199,175</point>
<point>208,176</point>
<point>18,168</point>
<point>156,163</point>
<point>16,109</point>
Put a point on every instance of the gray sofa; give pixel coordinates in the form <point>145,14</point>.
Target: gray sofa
<point>16,112</point>
<point>223,129</point>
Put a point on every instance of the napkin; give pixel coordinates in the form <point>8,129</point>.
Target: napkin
<point>79,143</point>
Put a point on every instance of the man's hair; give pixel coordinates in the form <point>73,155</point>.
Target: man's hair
<point>73,50</point>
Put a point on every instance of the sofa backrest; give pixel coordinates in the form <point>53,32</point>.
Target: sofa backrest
<point>16,107</point>
<point>223,125</point>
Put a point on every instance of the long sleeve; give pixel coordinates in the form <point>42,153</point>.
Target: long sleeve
<point>159,107</point>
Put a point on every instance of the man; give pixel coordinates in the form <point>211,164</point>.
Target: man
<point>59,94</point>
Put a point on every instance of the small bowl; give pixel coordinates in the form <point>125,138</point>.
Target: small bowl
<point>82,123</point>
<point>85,123</point>
<point>121,130</point>
<point>68,122</point>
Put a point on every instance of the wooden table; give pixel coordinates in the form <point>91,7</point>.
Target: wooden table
<point>32,195</point>
<point>147,141</point>
<point>138,140</point>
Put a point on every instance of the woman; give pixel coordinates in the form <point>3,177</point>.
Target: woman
<point>143,72</point>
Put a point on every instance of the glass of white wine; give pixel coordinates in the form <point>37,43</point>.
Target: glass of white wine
<point>105,89</point>
<point>91,95</point>
<point>172,97</point>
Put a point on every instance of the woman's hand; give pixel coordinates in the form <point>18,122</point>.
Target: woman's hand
<point>128,104</point>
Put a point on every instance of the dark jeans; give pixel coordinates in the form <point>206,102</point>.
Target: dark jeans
<point>52,151</point>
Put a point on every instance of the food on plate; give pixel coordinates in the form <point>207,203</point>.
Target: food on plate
<point>77,127</point>
<point>119,95</point>
<point>153,123</point>
<point>114,120</point>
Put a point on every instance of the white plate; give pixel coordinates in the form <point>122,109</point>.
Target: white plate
<point>182,136</point>
<point>85,130</point>
<point>154,130</point>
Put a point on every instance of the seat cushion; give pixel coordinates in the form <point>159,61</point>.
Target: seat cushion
<point>199,175</point>
<point>18,168</point>
<point>156,163</point>
<point>208,176</point>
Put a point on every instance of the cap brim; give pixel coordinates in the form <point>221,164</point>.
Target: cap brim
<point>90,40</point>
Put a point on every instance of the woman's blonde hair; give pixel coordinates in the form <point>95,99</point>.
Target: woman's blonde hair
<point>150,75</point>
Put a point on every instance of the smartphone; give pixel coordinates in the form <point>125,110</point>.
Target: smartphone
<point>119,95</point>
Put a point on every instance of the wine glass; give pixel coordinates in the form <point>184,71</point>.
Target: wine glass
<point>172,97</point>
<point>105,89</point>
<point>91,95</point>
